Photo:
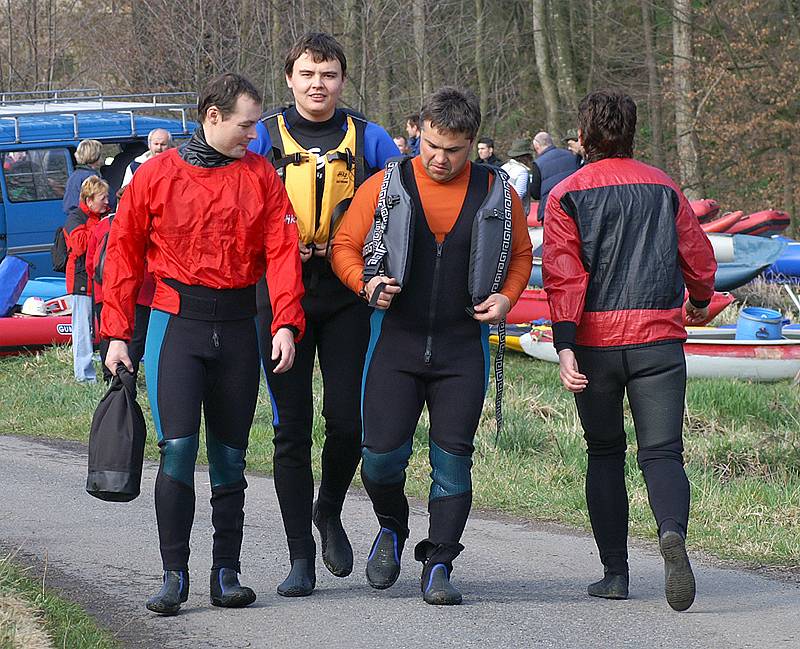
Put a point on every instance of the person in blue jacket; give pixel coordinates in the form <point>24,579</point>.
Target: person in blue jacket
<point>322,153</point>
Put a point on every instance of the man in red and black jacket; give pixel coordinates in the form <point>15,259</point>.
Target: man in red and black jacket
<point>210,218</point>
<point>620,242</point>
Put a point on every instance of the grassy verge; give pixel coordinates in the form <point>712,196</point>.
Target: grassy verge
<point>742,451</point>
<point>32,617</point>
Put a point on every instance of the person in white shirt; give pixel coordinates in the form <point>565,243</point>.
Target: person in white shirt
<point>158,141</point>
<point>518,169</point>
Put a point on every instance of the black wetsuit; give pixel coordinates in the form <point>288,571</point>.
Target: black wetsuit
<point>337,330</point>
<point>427,350</point>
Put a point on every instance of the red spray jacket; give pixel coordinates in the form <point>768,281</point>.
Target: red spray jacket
<point>620,242</point>
<point>219,227</point>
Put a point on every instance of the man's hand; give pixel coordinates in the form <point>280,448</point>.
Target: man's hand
<point>387,293</point>
<point>695,315</point>
<point>320,251</point>
<point>493,309</point>
<point>118,353</point>
<point>305,251</point>
<point>571,378</point>
<point>283,350</point>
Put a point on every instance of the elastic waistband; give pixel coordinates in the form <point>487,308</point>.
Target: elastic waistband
<point>214,305</point>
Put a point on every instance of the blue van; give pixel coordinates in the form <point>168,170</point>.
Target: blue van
<point>39,132</point>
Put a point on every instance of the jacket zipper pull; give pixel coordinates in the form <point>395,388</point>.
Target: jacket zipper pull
<point>215,338</point>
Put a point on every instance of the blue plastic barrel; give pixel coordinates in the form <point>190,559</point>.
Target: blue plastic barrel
<point>757,323</point>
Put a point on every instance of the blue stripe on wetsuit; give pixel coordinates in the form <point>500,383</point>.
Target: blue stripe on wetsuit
<point>156,331</point>
<point>375,326</point>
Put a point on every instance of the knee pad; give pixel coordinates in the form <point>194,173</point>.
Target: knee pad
<point>178,457</point>
<point>225,463</point>
<point>386,468</point>
<point>451,474</point>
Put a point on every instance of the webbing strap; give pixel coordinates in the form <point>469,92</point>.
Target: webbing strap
<point>502,263</point>
<point>376,250</point>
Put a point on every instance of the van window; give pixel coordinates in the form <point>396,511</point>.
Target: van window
<point>35,175</point>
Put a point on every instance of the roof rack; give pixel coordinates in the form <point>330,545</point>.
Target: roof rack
<point>66,103</point>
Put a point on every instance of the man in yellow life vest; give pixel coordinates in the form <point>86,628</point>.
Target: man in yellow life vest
<point>322,153</point>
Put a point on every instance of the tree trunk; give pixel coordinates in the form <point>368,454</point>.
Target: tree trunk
<point>687,145</point>
<point>423,72</point>
<point>653,87</point>
<point>543,66</point>
<point>789,182</point>
<point>480,57</point>
<point>567,87</point>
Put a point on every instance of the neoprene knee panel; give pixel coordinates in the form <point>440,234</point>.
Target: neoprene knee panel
<point>386,468</point>
<point>225,463</point>
<point>451,474</point>
<point>178,457</point>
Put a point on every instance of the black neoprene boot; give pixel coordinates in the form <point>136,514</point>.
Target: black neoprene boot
<point>679,584</point>
<point>437,589</point>
<point>383,565</point>
<point>226,590</point>
<point>337,553</point>
<point>301,580</point>
<point>612,586</point>
<point>174,591</point>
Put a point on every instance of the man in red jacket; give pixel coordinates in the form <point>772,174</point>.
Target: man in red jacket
<point>209,218</point>
<point>620,242</point>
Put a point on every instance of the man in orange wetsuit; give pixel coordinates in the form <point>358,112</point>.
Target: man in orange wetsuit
<point>429,334</point>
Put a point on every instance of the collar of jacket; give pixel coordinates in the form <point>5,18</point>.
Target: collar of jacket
<point>199,153</point>
<point>90,213</point>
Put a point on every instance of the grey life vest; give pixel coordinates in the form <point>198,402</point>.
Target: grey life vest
<point>388,247</point>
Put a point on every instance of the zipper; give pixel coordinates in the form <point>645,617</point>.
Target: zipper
<point>432,307</point>
<point>215,336</point>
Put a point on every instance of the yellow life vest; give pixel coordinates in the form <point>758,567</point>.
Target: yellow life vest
<point>344,172</point>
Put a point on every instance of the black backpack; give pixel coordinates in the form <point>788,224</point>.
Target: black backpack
<point>100,261</point>
<point>59,252</point>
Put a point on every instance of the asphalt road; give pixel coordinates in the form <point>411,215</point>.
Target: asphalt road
<point>523,583</point>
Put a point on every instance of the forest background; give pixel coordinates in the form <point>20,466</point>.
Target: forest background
<point>716,81</point>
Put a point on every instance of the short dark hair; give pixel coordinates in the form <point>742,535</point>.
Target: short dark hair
<point>607,119</point>
<point>487,141</point>
<point>453,110</point>
<point>413,119</point>
<point>401,137</point>
<point>321,47</point>
<point>222,91</point>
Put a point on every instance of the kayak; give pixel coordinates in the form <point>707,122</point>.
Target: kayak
<point>705,209</point>
<point>760,224</point>
<point>19,333</point>
<point>788,263</point>
<point>708,355</point>
<point>741,258</point>
<point>723,223</point>
<point>44,287</point>
<point>513,333</point>
<point>532,306</point>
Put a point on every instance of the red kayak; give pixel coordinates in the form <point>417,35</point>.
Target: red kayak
<point>705,209</point>
<point>533,215</point>
<point>723,223</point>
<point>763,223</point>
<point>22,333</point>
<point>532,305</point>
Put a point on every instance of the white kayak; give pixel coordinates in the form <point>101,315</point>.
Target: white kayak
<point>710,353</point>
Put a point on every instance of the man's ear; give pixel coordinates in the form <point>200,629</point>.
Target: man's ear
<point>213,115</point>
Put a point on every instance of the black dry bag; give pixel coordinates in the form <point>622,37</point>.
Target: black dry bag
<point>116,442</point>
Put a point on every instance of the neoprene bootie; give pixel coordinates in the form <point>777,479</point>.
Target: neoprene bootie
<point>383,565</point>
<point>337,553</point>
<point>300,581</point>
<point>610,587</point>
<point>679,584</point>
<point>226,590</point>
<point>436,586</point>
<point>174,591</point>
